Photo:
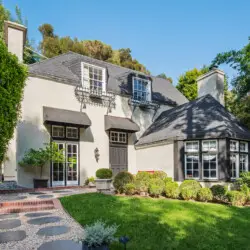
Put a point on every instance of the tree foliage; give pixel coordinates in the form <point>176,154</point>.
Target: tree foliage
<point>12,82</point>
<point>187,82</point>
<point>53,45</point>
<point>164,76</point>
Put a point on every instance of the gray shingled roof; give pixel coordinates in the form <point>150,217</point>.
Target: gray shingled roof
<point>203,118</point>
<point>66,68</point>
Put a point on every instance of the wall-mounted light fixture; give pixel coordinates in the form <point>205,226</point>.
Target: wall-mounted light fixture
<point>97,154</point>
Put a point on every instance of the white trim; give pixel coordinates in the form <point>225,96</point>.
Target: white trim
<point>57,126</point>
<point>185,163</point>
<point>197,151</point>
<point>118,136</point>
<point>210,178</point>
<point>149,86</point>
<point>70,136</point>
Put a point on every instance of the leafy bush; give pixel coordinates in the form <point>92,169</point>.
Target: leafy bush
<point>104,173</point>
<point>219,192</point>
<point>142,180</point>
<point>236,198</point>
<point>99,234</point>
<point>90,179</point>
<point>156,187</point>
<point>129,189</point>
<point>189,189</point>
<point>12,82</point>
<point>205,194</point>
<point>159,175</point>
<point>244,179</point>
<point>121,179</point>
<point>172,189</point>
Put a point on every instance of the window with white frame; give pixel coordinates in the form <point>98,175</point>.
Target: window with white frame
<point>209,159</point>
<point>243,163</point>
<point>72,132</point>
<point>57,131</point>
<point>243,147</point>
<point>93,78</point>
<point>120,137</point>
<point>192,160</point>
<point>234,145</point>
<point>141,89</point>
<point>233,165</point>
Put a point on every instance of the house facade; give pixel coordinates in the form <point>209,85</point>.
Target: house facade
<point>107,116</point>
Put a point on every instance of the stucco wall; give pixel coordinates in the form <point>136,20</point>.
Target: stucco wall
<point>31,132</point>
<point>156,158</point>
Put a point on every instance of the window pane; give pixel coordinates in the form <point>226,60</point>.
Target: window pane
<point>206,173</point>
<point>233,145</point>
<point>213,174</point>
<point>192,146</point>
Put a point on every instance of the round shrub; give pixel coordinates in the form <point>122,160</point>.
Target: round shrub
<point>121,179</point>
<point>172,189</point>
<point>168,179</point>
<point>159,174</point>
<point>205,194</point>
<point>236,198</point>
<point>156,187</point>
<point>104,173</point>
<point>142,180</point>
<point>244,179</point>
<point>129,189</point>
<point>189,189</point>
<point>143,176</point>
<point>219,192</point>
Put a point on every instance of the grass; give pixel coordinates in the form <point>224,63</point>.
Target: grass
<point>160,224</point>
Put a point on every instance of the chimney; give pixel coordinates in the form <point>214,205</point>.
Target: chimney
<point>15,38</point>
<point>212,83</point>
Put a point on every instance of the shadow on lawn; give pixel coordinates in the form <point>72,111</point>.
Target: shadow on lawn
<point>165,224</point>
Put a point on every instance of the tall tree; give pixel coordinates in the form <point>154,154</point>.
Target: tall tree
<point>187,82</point>
<point>164,76</point>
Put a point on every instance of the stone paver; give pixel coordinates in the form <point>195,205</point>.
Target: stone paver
<point>62,191</point>
<point>9,224</point>
<point>44,220</point>
<point>14,198</point>
<point>61,245</point>
<point>8,216</point>
<point>8,236</point>
<point>54,230</point>
<point>36,193</point>
<point>30,215</point>
<point>45,196</point>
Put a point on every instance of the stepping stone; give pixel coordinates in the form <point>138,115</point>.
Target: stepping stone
<point>15,198</point>
<point>61,245</point>
<point>9,224</point>
<point>8,216</point>
<point>54,230</point>
<point>62,191</point>
<point>45,196</point>
<point>36,193</point>
<point>36,214</point>
<point>44,220</point>
<point>12,236</point>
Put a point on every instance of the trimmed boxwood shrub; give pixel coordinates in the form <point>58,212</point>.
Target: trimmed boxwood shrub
<point>121,179</point>
<point>219,192</point>
<point>236,198</point>
<point>156,187</point>
<point>129,189</point>
<point>205,194</point>
<point>172,189</point>
<point>244,179</point>
<point>189,189</point>
<point>142,180</point>
<point>104,173</point>
<point>168,179</point>
<point>159,174</point>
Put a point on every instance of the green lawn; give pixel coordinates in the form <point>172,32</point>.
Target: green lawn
<point>165,224</point>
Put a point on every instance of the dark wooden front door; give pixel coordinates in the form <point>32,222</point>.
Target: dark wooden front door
<point>118,152</point>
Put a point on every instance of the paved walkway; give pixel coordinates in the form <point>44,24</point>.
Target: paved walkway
<point>43,230</point>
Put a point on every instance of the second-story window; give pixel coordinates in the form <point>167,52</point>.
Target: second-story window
<point>141,89</point>
<point>93,78</point>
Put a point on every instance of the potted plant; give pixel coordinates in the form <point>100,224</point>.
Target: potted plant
<point>98,236</point>
<point>38,158</point>
<point>103,179</point>
<point>90,182</point>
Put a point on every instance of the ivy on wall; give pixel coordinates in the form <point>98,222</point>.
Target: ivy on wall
<point>12,81</point>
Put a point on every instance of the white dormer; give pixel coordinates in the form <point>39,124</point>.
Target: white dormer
<point>93,78</point>
<point>141,90</point>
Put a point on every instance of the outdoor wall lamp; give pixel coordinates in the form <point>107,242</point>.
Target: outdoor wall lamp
<point>97,155</point>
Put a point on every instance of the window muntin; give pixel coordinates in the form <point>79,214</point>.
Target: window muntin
<point>233,165</point>
<point>72,132</point>
<point>141,90</point>
<point>120,137</point>
<point>93,78</point>
<point>209,165</point>
<point>234,145</point>
<point>57,131</point>
<point>243,167</point>
<point>192,146</point>
<point>243,147</point>
<point>209,145</point>
<point>191,166</point>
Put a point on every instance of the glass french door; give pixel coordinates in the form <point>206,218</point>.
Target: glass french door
<point>66,173</point>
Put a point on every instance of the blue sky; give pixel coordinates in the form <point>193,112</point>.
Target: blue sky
<point>166,36</point>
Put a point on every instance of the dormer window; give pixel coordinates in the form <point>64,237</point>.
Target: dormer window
<point>141,89</point>
<point>93,79</point>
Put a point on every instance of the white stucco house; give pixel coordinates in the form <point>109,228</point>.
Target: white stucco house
<point>108,116</point>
